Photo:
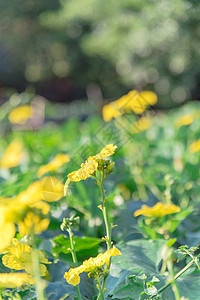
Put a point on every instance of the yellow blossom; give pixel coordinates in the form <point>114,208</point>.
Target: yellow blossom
<point>52,189</point>
<point>72,276</point>
<point>48,188</point>
<point>89,166</point>
<point>19,257</point>
<point>195,147</point>
<point>106,151</point>
<point>141,125</point>
<point>110,111</point>
<point>184,120</point>
<point>57,162</point>
<point>13,280</point>
<point>21,114</point>
<point>133,101</point>
<point>33,223</point>
<point>13,155</point>
<point>7,233</point>
<point>158,211</point>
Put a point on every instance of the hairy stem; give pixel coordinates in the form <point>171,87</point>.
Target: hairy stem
<point>73,252</point>
<point>107,226</point>
<point>175,277</point>
<point>101,293</point>
<point>36,271</point>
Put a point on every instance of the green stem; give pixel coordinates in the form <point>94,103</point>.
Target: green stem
<point>36,271</point>
<point>175,277</point>
<point>174,284</point>
<point>73,252</point>
<point>108,229</point>
<point>101,293</point>
<point>105,212</point>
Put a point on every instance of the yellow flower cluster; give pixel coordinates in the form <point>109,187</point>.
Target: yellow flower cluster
<point>157,211</point>
<point>13,155</point>
<point>72,277</point>
<point>19,257</point>
<point>195,147</point>
<point>28,209</point>
<point>21,114</point>
<point>133,101</point>
<point>57,162</point>
<point>89,166</point>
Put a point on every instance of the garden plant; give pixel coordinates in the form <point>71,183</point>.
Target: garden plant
<point>99,205</point>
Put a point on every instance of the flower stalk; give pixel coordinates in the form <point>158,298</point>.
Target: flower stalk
<point>73,252</point>
<point>108,227</point>
<point>67,225</point>
<point>176,276</point>
<point>39,285</point>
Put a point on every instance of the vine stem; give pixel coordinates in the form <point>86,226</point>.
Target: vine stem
<point>101,293</point>
<point>73,252</point>
<point>36,271</point>
<point>171,272</point>
<point>107,225</point>
<point>176,276</point>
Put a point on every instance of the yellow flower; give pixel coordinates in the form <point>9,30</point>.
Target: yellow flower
<point>72,276</point>
<point>110,111</point>
<point>106,151</point>
<point>13,280</point>
<point>33,223</point>
<point>89,166</point>
<point>19,257</point>
<point>57,162</point>
<point>141,125</point>
<point>7,233</point>
<point>13,155</point>
<point>184,120</point>
<point>52,189</point>
<point>86,170</point>
<point>133,101</point>
<point>20,115</point>
<point>158,211</point>
<point>48,188</point>
<point>195,147</point>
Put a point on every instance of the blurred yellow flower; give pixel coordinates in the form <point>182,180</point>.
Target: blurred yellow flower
<point>133,101</point>
<point>157,211</point>
<point>72,276</point>
<point>13,280</point>
<point>52,189</point>
<point>21,114</point>
<point>141,125</point>
<point>110,111</point>
<point>57,162</point>
<point>184,120</point>
<point>7,233</point>
<point>13,155</point>
<point>19,257</point>
<point>33,223</point>
<point>195,147</point>
<point>28,210</point>
<point>89,166</point>
<point>48,188</point>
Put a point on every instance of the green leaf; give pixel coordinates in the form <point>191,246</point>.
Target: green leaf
<point>61,244</point>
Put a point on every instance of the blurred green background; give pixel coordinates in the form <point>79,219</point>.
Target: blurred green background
<point>100,49</point>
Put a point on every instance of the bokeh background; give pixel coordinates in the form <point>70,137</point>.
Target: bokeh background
<point>98,49</point>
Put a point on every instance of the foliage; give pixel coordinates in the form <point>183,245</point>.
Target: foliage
<point>154,165</point>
